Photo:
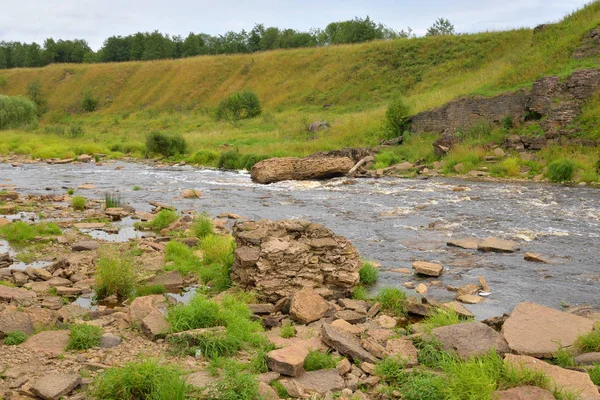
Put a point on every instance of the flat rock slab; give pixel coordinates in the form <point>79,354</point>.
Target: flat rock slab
<point>538,331</point>
<point>534,257</point>
<point>85,245</point>
<point>498,245</point>
<point>52,343</point>
<point>321,381</point>
<point>578,382</point>
<point>89,225</point>
<point>154,325</point>
<point>9,294</point>
<point>470,339</point>
<point>404,349</point>
<point>108,340</point>
<point>350,316</point>
<point>466,243</point>
<point>345,343</point>
<point>428,268</point>
<point>287,361</point>
<point>54,386</point>
<point>523,393</point>
<point>170,280</point>
<point>13,320</point>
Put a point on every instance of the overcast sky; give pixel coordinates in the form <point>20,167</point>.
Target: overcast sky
<point>95,20</point>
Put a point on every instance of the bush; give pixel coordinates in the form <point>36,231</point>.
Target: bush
<point>20,232</point>
<point>218,249</point>
<point>141,380</point>
<point>239,105</point>
<point>203,157</point>
<point>561,170</point>
<point>35,93</point>
<point>78,203</point>
<point>15,338</point>
<point>316,360</point>
<point>76,130</point>
<point>397,117</point>
<point>16,112</point>
<point>368,273</point>
<point>89,103</point>
<point>360,293</point>
<point>84,336</point>
<point>393,301</point>
<point>167,145</point>
<point>115,275</point>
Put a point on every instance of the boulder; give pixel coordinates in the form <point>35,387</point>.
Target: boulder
<point>12,320</point>
<point>308,306</point>
<point>539,331</point>
<point>267,392</point>
<point>278,258</point>
<point>300,169</point>
<point>51,343</point>
<point>54,386</point>
<point>428,268</point>
<point>404,349</point>
<point>108,341</point>
<point>470,339</point>
<point>350,316</point>
<point>345,343</point>
<point>287,361</point>
<point>498,245</point>
<point>85,245</point>
<point>154,325</point>
<point>523,393</point>
<point>192,194</point>
<point>9,294</point>
<point>321,381</point>
<point>575,381</point>
<point>469,299</point>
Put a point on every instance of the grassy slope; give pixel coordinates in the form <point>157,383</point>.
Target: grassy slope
<point>180,95</point>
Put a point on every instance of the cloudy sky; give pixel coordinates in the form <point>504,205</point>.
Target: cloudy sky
<point>95,20</point>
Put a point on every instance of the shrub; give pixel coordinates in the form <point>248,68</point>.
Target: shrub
<point>589,342</point>
<point>167,145</point>
<point>229,160</point>
<point>141,380</point>
<point>115,275</point>
<point>239,105</point>
<point>36,94</point>
<point>287,330</point>
<point>84,336</point>
<point>182,257</point>
<point>20,232</point>
<point>16,112</point>
<point>316,360</point>
<point>76,130</point>
<point>136,188</point>
<point>561,170</point>
<point>393,301</point>
<point>78,203</point>
<point>203,157</point>
<point>202,226</point>
<point>15,338</point>
<point>397,117</point>
<point>368,273</point>
<point>89,103</point>
<point>70,191</point>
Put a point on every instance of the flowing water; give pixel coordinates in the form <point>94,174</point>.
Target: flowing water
<point>392,221</point>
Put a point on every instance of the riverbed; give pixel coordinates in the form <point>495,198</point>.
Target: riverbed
<point>391,221</point>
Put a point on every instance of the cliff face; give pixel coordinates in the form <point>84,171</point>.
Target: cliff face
<point>554,102</point>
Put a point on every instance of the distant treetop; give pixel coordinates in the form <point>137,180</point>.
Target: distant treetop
<point>441,27</point>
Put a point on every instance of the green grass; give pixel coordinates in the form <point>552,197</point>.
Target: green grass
<point>360,293</point>
<point>589,342</point>
<point>21,233</point>
<point>234,384</point>
<point>368,273</point>
<point>112,200</point>
<point>7,283</point>
<point>287,330</point>
<point>162,220</point>
<point>392,301</point>
<point>561,170</point>
<point>563,358</point>
<point>78,203</point>
<point>280,389</point>
<point>147,290</point>
<point>136,188</point>
<point>594,373</point>
<point>15,338</point>
<point>115,275</point>
<point>84,337</point>
<point>442,317</point>
<point>316,360</point>
<point>70,191</point>
<point>182,257</point>
<point>146,379</point>
<point>202,226</point>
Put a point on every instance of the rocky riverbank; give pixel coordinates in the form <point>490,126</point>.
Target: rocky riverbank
<point>308,328</point>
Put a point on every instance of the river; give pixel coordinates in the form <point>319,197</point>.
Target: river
<point>392,221</point>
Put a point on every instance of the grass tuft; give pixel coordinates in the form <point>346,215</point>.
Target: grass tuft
<point>316,360</point>
<point>393,301</point>
<point>368,273</point>
<point>15,338</point>
<point>589,342</point>
<point>442,317</point>
<point>84,337</point>
<point>20,232</point>
<point>202,226</point>
<point>234,384</point>
<point>147,290</point>
<point>287,330</point>
<point>162,220</point>
<point>115,275</point>
<point>78,203</point>
<point>561,170</point>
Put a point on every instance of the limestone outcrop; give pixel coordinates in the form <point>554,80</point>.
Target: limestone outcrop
<point>278,258</point>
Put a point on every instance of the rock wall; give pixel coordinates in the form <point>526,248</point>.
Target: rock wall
<point>277,258</point>
<point>556,103</point>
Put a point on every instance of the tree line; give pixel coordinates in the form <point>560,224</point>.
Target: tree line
<point>156,45</point>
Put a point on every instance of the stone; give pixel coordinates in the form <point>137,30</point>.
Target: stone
<point>421,288</point>
<point>459,309</point>
<point>192,194</point>
<point>374,348</point>
<point>200,379</point>
<point>53,386</point>
<point>42,273</point>
<point>72,312</point>
<point>493,244</point>
<point>350,316</point>
<point>308,306</point>
<point>386,322</point>
<point>343,366</point>
<point>287,361</point>
<point>321,381</point>
<point>466,243</point>
<point>261,309</point>
<point>12,320</point>
<point>523,393</point>
<point>471,288</point>
<point>85,245</point>
<point>278,258</point>
<point>51,343</point>
<point>428,268</point>
<point>170,280</point>
<point>84,158</point>
<point>470,339</point>
<point>575,381</point>
<point>469,299</point>
<point>68,291</point>
<point>142,306</point>
<point>345,343</point>
<point>58,281</point>
<point>89,225</point>
<point>368,368</point>
<point>86,186</point>
<point>348,327</point>
<point>108,341</point>
<point>588,359</point>
<point>298,169</point>
<point>538,331</point>
<point>484,285</point>
<point>267,392</point>
<point>360,306</point>
<point>499,152</point>
<point>404,349</point>
<point>269,377</point>
<point>154,325</point>
<point>9,294</point>
<point>534,257</point>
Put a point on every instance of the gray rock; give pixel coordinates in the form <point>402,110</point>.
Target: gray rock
<point>345,343</point>
<point>170,280</point>
<point>470,339</point>
<point>55,385</point>
<point>108,340</point>
<point>588,359</point>
<point>85,245</point>
<point>350,316</point>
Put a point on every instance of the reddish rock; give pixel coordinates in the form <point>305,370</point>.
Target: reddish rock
<point>308,306</point>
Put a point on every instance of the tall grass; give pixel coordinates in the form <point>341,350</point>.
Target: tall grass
<point>439,317</point>
<point>20,232</point>
<point>84,336</point>
<point>115,275</point>
<point>393,301</point>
